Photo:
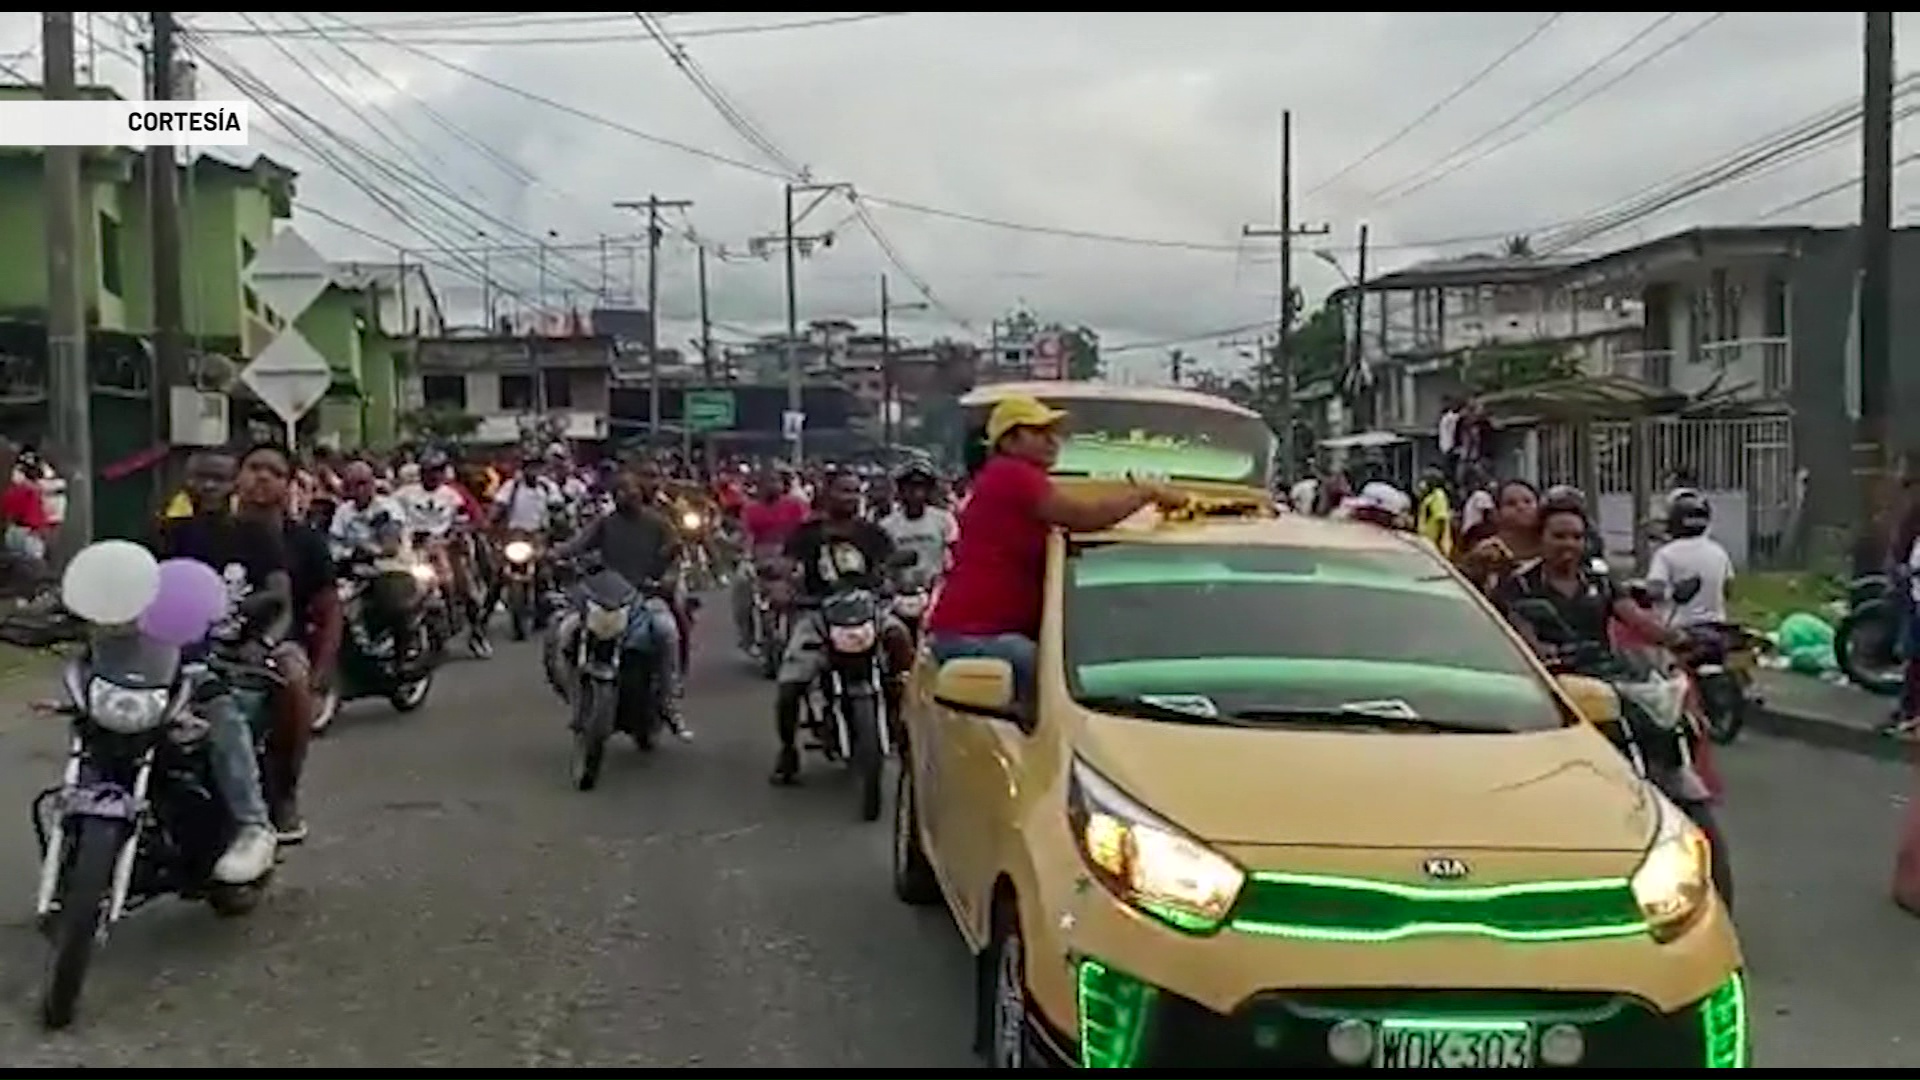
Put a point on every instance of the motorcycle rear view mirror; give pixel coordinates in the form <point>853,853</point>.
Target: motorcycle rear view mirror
<point>1686,589</point>
<point>1596,702</point>
<point>1647,593</point>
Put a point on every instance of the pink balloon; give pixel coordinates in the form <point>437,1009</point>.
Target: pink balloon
<point>191,599</point>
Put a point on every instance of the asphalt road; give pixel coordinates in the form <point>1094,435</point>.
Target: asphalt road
<point>460,907</point>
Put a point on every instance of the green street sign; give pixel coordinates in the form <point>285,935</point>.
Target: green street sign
<point>710,410</point>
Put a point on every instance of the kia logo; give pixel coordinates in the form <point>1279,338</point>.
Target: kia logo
<point>1444,868</point>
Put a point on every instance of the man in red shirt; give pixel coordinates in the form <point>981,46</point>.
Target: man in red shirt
<point>990,603</point>
<point>768,521</point>
<point>25,526</point>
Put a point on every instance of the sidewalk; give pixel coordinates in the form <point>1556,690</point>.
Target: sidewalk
<point>25,676</point>
<point>1836,717</point>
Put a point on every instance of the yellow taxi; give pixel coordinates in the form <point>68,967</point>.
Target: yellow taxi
<point>1293,795</point>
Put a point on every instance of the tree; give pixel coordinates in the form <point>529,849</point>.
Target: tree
<point>1518,247</point>
<point>440,423</point>
<point>1510,367</point>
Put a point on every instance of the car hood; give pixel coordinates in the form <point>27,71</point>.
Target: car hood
<point>1560,790</point>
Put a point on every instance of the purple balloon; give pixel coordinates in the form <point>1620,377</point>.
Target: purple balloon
<point>191,599</point>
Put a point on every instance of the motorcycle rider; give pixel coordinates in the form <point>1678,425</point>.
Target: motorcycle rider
<point>433,509</point>
<point>251,556</point>
<point>639,543</point>
<point>362,511</point>
<point>836,548</point>
<point>523,506</point>
<point>1693,554</point>
<point>768,521</point>
<point>1585,600</point>
<point>915,524</point>
<point>306,659</point>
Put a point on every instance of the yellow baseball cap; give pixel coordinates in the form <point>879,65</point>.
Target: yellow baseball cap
<point>1018,412</point>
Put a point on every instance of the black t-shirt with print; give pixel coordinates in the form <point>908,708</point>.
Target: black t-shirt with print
<point>856,553</point>
<point>244,553</point>
<point>1585,612</point>
<point>310,568</point>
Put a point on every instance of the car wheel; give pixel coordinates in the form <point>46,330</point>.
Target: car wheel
<point>1004,1000</point>
<point>913,880</point>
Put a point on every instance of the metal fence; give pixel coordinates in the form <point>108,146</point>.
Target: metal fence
<point>1753,454</point>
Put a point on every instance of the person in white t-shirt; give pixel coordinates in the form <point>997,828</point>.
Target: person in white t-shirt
<point>524,501</point>
<point>917,525</point>
<point>1478,506</point>
<point>1693,554</point>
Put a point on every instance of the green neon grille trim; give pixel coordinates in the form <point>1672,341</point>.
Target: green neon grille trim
<point>1104,573</point>
<point>1724,1025</point>
<point>1324,907</point>
<point>1104,455</point>
<point>1199,674</point>
<point>1114,1010</point>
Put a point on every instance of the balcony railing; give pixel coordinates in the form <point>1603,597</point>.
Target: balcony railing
<point>1770,359</point>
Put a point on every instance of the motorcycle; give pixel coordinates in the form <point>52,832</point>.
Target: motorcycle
<point>396,662</point>
<point>846,710</point>
<point>613,685</point>
<point>1866,644</point>
<point>446,615</point>
<point>137,814</point>
<point>910,602</point>
<point>1654,732</point>
<point>772,603</point>
<point>697,551</point>
<point>1722,665</point>
<point>521,588</point>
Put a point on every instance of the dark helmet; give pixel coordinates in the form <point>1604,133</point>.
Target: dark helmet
<point>917,471</point>
<point>1688,513</point>
<point>1564,497</point>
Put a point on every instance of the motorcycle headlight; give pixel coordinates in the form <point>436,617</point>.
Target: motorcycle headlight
<point>852,639</point>
<point>691,521</point>
<point>125,711</point>
<point>1675,877</point>
<point>422,573</point>
<point>605,622</point>
<point>1148,862</point>
<point>519,551</point>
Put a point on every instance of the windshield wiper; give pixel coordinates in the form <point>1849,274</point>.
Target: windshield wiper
<point>1174,708</point>
<point>1386,714</point>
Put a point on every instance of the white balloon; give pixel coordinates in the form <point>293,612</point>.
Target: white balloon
<point>110,582</point>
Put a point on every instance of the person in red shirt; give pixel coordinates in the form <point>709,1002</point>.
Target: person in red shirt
<point>768,521</point>
<point>990,603</point>
<point>25,526</point>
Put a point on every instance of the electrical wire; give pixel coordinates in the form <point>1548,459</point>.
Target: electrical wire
<point>1433,110</point>
<point>1541,123</point>
<point>599,38</point>
<point>1388,192</point>
<point>1835,189</point>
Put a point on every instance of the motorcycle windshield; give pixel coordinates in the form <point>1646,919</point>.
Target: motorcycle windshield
<point>849,608</point>
<point>608,589</point>
<point>133,660</point>
<point>1664,700</point>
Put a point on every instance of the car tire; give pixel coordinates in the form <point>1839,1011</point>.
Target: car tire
<point>913,880</point>
<point>1003,997</point>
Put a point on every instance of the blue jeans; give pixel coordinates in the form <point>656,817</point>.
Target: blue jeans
<point>1019,651</point>
<point>236,771</point>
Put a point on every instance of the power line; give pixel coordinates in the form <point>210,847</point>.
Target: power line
<point>1835,189</point>
<point>1387,193</point>
<point>592,39</point>
<point>1549,118</point>
<point>1474,80</point>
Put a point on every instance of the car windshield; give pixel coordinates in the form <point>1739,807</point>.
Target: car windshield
<point>1269,635</point>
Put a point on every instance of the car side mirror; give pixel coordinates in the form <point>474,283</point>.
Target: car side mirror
<point>1686,589</point>
<point>1596,702</point>
<point>982,686</point>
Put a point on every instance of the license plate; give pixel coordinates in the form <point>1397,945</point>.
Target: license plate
<point>1428,1044</point>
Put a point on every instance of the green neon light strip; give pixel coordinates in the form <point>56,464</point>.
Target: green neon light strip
<point>1196,674</point>
<point>1102,573</point>
<point>1724,1025</point>
<point>1113,1010</point>
<point>1441,896</point>
<point>1113,457</point>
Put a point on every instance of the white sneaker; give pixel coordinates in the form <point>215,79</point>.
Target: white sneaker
<point>248,858</point>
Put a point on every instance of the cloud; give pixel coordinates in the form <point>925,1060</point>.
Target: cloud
<point>1143,124</point>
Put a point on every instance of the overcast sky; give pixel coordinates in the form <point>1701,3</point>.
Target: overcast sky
<point>1155,126</point>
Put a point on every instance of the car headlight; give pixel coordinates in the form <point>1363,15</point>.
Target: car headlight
<point>519,551</point>
<point>125,711</point>
<point>1676,875</point>
<point>851,639</point>
<point>691,521</point>
<point>422,573</point>
<point>1148,862</point>
<point>605,622</point>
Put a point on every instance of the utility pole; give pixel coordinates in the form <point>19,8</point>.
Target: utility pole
<point>888,391</point>
<point>793,245</point>
<point>1871,454</point>
<point>653,206</point>
<point>706,321</point>
<point>1176,361</point>
<point>1357,369</point>
<point>163,199</point>
<point>67,383</point>
<point>1283,346</point>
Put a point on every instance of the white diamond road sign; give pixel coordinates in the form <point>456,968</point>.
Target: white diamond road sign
<point>289,376</point>
<point>289,275</point>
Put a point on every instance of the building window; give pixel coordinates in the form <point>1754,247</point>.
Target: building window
<point>516,393</point>
<point>558,386</point>
<point>1775,313</point>
<point>443,391</point>
<point>110,278</point>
